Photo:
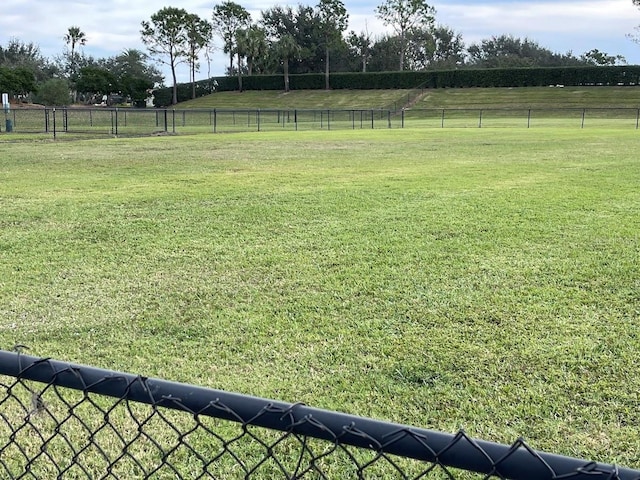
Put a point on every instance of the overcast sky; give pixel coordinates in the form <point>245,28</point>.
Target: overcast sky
<point>114,25</point>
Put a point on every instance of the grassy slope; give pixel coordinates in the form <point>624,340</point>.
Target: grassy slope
<point>534,97</point>
<point>441,278</point>
<point>307,99</point>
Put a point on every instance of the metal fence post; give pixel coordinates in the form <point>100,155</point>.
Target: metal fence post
<point>480,120</point>
<point>529,118</point>
<point>442,120</point>
<point>402,119</point>
<point>46,120</point>
<point>372,120</point>
<point>389,117</point>
<point>173,121</point>
<point>116,124</point>
<point>258,118</point>
<point>54,123</point>
<point>637,118</point>
<point>583,112</point>
<point>215,121</point>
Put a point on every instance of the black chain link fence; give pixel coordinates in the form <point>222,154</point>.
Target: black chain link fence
<point>96,122</point>
<point>59,420</point>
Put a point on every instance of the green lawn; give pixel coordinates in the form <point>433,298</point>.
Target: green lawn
<point>476,278</point>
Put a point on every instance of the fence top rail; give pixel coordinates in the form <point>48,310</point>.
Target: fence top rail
<point>517,461</point>
<point>471,108</point>
<point>524,109</point>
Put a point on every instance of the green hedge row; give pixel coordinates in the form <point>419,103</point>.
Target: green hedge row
<point>498,77</point>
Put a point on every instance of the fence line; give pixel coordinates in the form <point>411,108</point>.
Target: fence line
<point>50,431</point>
<point>132,121</point>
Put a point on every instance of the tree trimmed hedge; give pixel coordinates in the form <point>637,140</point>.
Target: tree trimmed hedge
<point>487,77</point>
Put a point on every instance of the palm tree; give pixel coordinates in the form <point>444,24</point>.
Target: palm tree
<point>286,48</point>
<point>252,43</point>
<point>74,37</point>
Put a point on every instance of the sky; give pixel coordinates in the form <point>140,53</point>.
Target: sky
<point>112,26</point>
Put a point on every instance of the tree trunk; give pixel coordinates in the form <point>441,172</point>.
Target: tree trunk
<point>239,73</point>
<point>403,47</point>
<point>286,74</point>
<point>193,79</point>
<point>326,68</point>
<point>174,99</point>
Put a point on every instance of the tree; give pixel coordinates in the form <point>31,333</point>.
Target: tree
<point>506,51</point>
<point>384,53</point>
<point>404,16</point>
<point>360,45</point>
<point>17,81</point>
<point>228,18</point>
<point>303,25</point>
<point>596,57</point>
<point>95,80</point>
<point>73,38</point>
<point>27,55</point>
<point>199,33</point>
<point>167,36</point>
<point>449,48</point>
<point>252,44</point>
<point>286,48</point>
<point>133,73</point>
<point>54,91</point>
<point>333,20</point>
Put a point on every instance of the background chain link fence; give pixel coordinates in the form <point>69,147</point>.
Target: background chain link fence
<point>59,420</point>
<point>69,122</point>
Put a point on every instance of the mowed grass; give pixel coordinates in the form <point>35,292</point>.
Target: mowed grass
<point>478,279</point>
<point>300,99</point>
<point>533,97</point>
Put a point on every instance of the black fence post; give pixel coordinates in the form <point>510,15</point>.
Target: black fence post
<point>442,120</point>
<point>637,118</point>
<point>528,118</point>
<point>215,120</point>
<point>54,123</point>
<point>173,121</point>
<point>584,110</point>
<point>480,120</point>
<point>166,121</point>
<point>402,119</point>
<point>46,120</point>
<point>116,121</point>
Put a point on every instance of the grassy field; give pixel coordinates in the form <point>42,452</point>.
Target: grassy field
<point>514,98</point>
<point>447,278</point>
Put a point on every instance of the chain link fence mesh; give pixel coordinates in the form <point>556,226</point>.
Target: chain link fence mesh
<point>59,420</point>
<point>96,122</point>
